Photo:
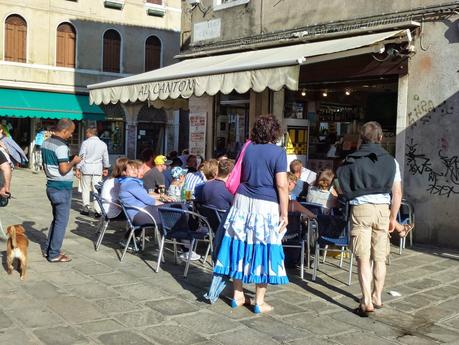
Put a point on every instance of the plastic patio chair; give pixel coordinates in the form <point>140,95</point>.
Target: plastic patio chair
<point>341,241</point>
<point>296,236</point>
<point>105,220</point>
<point>406,216</point>
<point>176,226</point>
<point>132,228</point>
<point>215,217</point>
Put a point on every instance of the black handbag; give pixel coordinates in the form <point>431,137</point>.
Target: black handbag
<point>4,199</point>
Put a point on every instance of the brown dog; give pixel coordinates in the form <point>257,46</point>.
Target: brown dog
<point>16,247</point>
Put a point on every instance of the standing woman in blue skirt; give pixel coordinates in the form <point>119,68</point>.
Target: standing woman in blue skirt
<point>251,250</point>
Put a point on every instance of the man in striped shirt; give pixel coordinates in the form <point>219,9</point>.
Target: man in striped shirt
<point>59,173</point>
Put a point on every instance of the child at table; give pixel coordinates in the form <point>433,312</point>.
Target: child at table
<point>178,178</point>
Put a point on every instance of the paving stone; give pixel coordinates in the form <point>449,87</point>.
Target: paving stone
<point>313,341</point>
<point>116,278</point>
<point>453,322</point>
<point>142,292</point>
<point>115,305</point>
<point>444,291</point>
<point>245,336</point>
<point>414,340</point>
<point>93,290</point>
<point>92,268</point>
<point>439,333</point>
<point>123,338</point>
<point>281,331</point>
<point>283,308</point>
<point>15,336</point>
<point>320,307</point>
<point>172,334</point>
<point>172,306</point>
<point>5,322</point>
<point>65,278</point>
<point>60,336</point>
<point>74,309</point>
<point>34,317</point>
<point>322,326</point>
<point>422,284</point>
<point>360,338</point>
<point>43,290</point>
<point>100,326</point>
<point>140,318</point>
<point>367,323</point>
<point>207,323</point>
<point>417,301</point>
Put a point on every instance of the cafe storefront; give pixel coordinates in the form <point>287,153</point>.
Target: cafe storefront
<point>292,82</point>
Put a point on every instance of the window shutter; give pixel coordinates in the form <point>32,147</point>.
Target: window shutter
<point>66,43</point>
<point>112,52</point>
<point>156,2</point>
<point>15,39</point>
<point>152,53</point>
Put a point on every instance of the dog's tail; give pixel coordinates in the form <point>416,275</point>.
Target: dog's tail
<point>13,236</point>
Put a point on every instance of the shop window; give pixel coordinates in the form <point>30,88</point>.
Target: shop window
<point>15,39</point>
<point>155,2</point>
<point>231,124</point>
<point>112,132</point>
<point>112,51</point>
<point>66,45</point>
<point>152,53</point>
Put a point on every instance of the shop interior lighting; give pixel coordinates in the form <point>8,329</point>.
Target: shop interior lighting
<point>303,92</point>
<point>347,92</point>
<point>325,94</point>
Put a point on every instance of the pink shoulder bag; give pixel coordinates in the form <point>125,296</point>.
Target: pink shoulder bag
<point>234,179</point>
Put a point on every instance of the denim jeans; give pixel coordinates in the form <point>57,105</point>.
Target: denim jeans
<point>60,201</point>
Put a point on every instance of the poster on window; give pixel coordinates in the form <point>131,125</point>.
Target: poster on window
<point>198,133</point>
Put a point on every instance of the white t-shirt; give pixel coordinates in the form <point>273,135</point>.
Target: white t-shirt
<point>110,192</point>
<point>378,198</point>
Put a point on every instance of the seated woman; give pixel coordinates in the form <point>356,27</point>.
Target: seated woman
<point>293,205</point>
<point>132,193</point>
<point>322,192</point>
<point>178,178</point>
<point>111,188</point>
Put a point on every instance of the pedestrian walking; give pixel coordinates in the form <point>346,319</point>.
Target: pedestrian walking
<point>251,250</point>
<point>94,165</point>
<point>58,168</point>
<point>367,178</point>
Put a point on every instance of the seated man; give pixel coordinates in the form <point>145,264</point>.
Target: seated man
<point>5,175</point>
<point>214,192</point>
<point>154,178</point>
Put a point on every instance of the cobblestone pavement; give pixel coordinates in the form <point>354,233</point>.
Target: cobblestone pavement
<point>95,299</point>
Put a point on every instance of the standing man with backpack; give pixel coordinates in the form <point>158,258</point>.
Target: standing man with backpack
<point>370,179</point>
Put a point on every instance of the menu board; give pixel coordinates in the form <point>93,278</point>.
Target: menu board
<point>197,143</point>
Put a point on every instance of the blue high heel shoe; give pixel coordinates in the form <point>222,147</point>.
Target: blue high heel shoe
<point>234,304</point>
<point>256,309</point>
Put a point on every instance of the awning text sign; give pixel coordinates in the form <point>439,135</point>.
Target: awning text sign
<point>197,139</point>
<point>155,90</point>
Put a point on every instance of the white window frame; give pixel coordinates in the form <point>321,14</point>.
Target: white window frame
<point>218,5</point>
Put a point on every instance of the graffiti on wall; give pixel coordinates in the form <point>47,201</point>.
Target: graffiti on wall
<point>423,110</point>
<point>443,180</point>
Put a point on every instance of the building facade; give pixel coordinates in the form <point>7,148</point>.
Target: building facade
<point>52,49</point>
<point>409,85</point>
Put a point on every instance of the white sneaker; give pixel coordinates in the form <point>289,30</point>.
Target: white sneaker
<point>194,256</point>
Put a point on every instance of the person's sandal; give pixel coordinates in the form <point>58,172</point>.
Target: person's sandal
<point>61,258</point>
<point>258,308</point>
<point>237,302</point>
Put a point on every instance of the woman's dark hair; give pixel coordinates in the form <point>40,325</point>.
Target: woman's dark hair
<point>266,129</point>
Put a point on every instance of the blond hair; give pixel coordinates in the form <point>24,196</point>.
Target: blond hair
<point>325,179</point>
<point>209,168</point>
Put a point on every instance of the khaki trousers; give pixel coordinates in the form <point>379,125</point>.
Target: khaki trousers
<point>88,183</point>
